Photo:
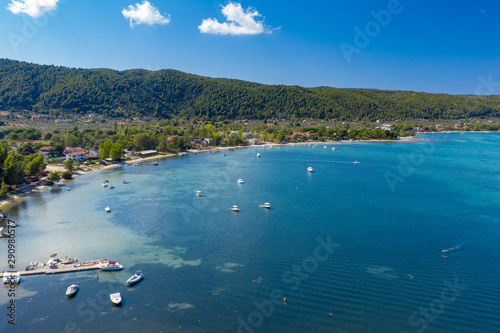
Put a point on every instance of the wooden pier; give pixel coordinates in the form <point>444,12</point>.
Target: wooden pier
<point>66,266</point>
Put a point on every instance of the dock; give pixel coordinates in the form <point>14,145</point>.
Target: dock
<point>65,266</point>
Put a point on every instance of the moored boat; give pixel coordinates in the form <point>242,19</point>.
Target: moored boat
<point>111,266</point>
<point>107,209</point>
<point>199,194</point>
<point>266,205</point>
<point>11,277</point>
<point>240,181</point>
<point>138,276</point>
<point>116,298</point>
<point>235,208</point>
<point>310,169</point>
<point>72,290</point>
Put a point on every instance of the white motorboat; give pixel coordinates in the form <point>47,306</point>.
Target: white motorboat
<point>107,209</point>
<point>111,266</point>
<point>324,147</point>
<point>258,154</point>
<point>356,162</point>
<point>240,181</point>
<point>266,205</point>
<point>310,169</point>
<point>333,148</point>
<point>199,194</point>
<point>235,208</point>
<point>116,298</point>
<point>104,185</point>
<point>138,276</point>
<point>71,291</point>
<point>11,277</point>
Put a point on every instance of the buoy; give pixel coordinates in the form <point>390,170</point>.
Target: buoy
<point>284,300</point>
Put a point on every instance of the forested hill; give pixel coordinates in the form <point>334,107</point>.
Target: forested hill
<point>168,93</point>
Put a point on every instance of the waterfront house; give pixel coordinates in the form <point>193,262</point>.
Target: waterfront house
<point>47,152</point>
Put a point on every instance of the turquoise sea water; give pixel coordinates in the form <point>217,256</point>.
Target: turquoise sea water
<point>353,247</point>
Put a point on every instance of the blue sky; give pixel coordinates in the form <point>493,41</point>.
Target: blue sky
<point>432,46</point>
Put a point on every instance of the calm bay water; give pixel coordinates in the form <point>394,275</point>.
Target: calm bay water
<point>386,220</point>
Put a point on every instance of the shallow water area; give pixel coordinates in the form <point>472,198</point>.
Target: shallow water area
<point>353,247</point>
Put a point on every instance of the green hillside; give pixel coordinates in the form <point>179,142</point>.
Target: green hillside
<point>169,93</point>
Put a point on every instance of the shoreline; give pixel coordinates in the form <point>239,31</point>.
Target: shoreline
<point>14,199</point>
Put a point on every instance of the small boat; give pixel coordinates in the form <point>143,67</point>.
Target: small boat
<point>356,162</point>
<point>105,180</point>
<point>240,181</point>
<point>53,266</point>
<point>71,291</point>
<point>116,298</point>
<point>112,186</point>
<point>107,209</point>
<point>68,188</point>
<point>235,208</point>
<point>324,147</point>
<point>2,215</point>
<point>104,184</point>
<point>155,163</point>
<point>111,266</point>
<point>51,190</point>
<point>11,277</point>
<point>136,277</point>
<point>333,148</point>
<point>198,194</point>
<point>266,205</point>
<point>125,181</point>
<point>462,133</point>
<point>258,154</point>
<point>310,169</point>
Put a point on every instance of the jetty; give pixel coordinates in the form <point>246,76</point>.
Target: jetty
<point>64,266</point>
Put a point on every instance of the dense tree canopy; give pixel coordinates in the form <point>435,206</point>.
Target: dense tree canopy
<point>168,93</point>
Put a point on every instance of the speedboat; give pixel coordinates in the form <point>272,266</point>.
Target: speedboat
<point>107,209</point>
<point>71,291</point>
<point>258,154</point>
<point>235,208</point>
<point>125,181</point>
<point>11,277</point>
<point>310,169</point>
<point>356,162</point>
<point>135,278</point>
<point>116,298</point>
<point>111,266</point>
<point>266,205</point>
<point>198,194</point>
<point>240,181</point>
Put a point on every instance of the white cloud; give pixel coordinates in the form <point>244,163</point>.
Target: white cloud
<point>239,22</point>
<point>144,13</point>
<point>33,8</point>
